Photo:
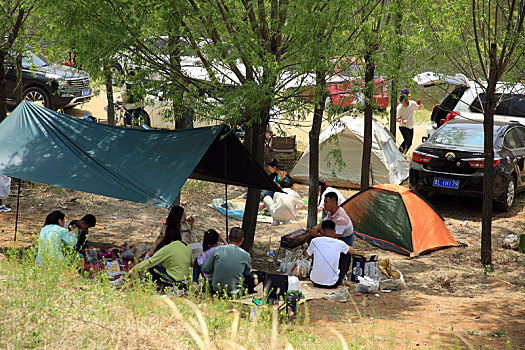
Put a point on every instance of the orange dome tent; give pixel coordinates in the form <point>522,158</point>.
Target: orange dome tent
<point>394,217</point>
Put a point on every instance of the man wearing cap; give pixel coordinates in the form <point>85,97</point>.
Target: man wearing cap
<point>405,117</point>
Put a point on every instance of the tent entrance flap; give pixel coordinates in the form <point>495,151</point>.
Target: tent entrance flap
<point>148,167</point>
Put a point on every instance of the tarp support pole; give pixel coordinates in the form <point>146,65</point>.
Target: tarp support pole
<point>226,185</point>
<point>17,207</point>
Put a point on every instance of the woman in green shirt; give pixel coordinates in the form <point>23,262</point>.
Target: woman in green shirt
<point>171,264</point>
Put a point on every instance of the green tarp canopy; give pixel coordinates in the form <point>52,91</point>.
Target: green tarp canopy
<point>143,166</point>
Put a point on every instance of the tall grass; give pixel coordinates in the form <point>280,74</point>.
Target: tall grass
<point>59,308</point>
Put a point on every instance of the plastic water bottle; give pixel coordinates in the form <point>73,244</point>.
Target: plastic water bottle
<point>81,261</point>
<point>270,257</point>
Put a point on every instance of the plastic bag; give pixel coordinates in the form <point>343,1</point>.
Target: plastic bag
<point>390,277</point>
<point>286,263</point>
<point>293,283</point>
<point>367,285</point>
<point>391,283</point>
<point>299,267</point>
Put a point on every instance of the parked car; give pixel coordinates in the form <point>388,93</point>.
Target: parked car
<point>48,84</point>
<point>451,161</point>
<point>467,100</point>
<point>344,85</point>
<point>157,50</point>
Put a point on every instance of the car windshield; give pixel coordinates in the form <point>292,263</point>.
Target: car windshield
<point>469,135</point>
<point>30,59</point>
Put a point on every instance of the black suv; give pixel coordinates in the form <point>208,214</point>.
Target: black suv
<point>50,85</point>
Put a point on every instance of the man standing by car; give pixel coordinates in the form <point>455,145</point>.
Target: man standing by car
<point>405,117</point>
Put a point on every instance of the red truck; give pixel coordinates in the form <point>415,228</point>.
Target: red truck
<point>346,81</point>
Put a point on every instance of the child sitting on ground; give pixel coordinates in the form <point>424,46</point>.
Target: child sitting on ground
<point>282,173</point>
<point>212,240</point>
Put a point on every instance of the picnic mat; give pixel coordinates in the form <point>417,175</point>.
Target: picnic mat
<point>236,209</point>
<point>94,268</point>
<point>309,290</point>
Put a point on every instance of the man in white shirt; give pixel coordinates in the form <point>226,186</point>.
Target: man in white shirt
<point>405,118</point>
<point>327,270</point>
<point>344,229</point>
<point>283,206</point>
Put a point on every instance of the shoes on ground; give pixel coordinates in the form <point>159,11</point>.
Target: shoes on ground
<point>4,209</point>
<point>340,295</point>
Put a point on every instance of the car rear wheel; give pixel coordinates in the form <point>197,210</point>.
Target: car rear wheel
<point>506,200</point>
<point>142,118</point>
<point>37,95</point>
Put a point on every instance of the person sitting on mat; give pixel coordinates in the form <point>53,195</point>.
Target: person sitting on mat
<point>52,238</point>
<point>271,167</point>
<point>212,240</point>
<point>282,173</point>
<point>176,217</point>
<point>343,225</point>
<point>327,270</point>
<point>283,206</point>
<point>81,228</point>
<point>231,267</point>
<point>171,264</point>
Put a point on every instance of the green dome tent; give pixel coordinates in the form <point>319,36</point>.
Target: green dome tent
<point>395,218</point>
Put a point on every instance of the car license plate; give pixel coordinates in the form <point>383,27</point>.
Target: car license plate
<point>86,92</point>
<point>438,182</point>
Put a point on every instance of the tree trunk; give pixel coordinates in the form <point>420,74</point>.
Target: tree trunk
<point>255,144</point>
<point>313,176</point>
<point>488,170</point>
<point>397,52</point>
<point>369,101</point>
<point>109,96</point>
<point>18,89</point>
<point>177,109</point>
<point>393,106</point>
<point>3,104</point>
<point>175,52</point>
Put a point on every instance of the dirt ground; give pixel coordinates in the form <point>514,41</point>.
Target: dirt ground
<point>478,309</point>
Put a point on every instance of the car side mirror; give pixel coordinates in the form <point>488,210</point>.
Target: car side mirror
<point>424,138</point>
